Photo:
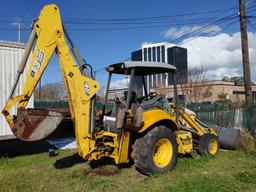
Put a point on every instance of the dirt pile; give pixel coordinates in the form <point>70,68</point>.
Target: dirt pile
<point>106,170</point>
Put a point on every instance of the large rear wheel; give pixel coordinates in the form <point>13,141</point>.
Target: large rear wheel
<point>155,152</point>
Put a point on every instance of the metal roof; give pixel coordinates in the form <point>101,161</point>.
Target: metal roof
<point>141,67</point>
<point>12,44</point>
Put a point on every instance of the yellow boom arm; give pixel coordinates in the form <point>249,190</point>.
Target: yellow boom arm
<point>81,88</point>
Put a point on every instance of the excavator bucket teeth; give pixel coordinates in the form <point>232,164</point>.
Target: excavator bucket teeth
<point>36,124</point>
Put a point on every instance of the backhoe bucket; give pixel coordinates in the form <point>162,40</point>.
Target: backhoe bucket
<point>36,124</point>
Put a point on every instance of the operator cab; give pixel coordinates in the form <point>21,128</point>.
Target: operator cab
<point>136,98</point>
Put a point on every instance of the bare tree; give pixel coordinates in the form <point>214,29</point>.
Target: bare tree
<point>196,86</point>
<point>51,92</point>
<point>101,94</point>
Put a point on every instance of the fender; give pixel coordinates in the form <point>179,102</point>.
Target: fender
<point>151,117</point>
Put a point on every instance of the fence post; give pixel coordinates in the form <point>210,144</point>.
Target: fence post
<point>238,118</point>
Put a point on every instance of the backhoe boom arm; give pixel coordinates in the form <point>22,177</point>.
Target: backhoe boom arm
<point>80,87</point>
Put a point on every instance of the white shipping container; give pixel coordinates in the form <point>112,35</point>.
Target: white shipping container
<point>10,57</point>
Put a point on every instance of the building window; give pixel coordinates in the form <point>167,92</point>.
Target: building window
<point>164,78</point>
<point>163,53</point>
<point>145,54</point>
<point>254,97</point>
<point>154,80</point>
<point>158,79</point>
<point>170,80</point>
<point>154,53</point>
<point>150,81</point>
<point>158,53</point>
<point>149,54</point>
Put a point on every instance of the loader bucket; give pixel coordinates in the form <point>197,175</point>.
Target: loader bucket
<point>228,137</point>
<point>36,124</point>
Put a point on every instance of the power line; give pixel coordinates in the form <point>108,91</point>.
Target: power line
<point>14,29</point>
<point>147,22</point>
<point>173,22</point>
<point>74,7</point>
<point>86,11</point>
<point>216,33</point>
<point>88,19</point>
<point>102,73</point>
<point>170,23</point>
<point>97,10</point>
<point>100,69</point>
<point>251,25</point>
<point>218,21</point>
<point>199,30</point>
<point>173,16</point>
<point>155,17</point>
<point>90,8</point>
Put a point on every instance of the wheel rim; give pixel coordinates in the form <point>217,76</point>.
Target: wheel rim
<point>162,153</point>
<point>213,146</point>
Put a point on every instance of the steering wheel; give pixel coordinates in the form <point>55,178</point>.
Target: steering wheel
<point>152,94</point>
<point>147,97</point>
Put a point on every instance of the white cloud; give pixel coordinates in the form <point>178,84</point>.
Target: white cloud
<point>220,55</point>
<point>118,84</point>
<point>176,33</point>
<point>14,23</point>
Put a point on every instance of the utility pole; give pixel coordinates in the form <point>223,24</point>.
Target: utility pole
<point>19,30</point>
<point>245,53</point>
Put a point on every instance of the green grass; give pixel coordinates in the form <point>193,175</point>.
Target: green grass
<point>228,171</point>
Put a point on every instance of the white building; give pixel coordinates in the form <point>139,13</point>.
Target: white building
<point>10,57</point>
<point>166,53</point>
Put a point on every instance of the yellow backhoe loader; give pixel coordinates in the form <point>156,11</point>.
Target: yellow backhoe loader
<point>147,130</point>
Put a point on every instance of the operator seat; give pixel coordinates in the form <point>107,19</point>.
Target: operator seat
<point>156,102</point>
<point>111,120</point>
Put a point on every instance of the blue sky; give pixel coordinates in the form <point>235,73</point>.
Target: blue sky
<point>103,47</point>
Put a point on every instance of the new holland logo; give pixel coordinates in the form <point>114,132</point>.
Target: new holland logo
<point>38,62</point>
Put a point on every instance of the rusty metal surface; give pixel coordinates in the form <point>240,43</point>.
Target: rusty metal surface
<point>36,124</point>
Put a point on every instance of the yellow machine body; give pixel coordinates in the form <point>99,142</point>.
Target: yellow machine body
<point>185,142</point>
<point>81,90</point>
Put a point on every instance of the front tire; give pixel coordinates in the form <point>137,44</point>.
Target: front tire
<point>155,152</point>
<point>208,145</point>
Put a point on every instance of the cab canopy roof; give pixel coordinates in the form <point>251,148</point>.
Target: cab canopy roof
<point>141,68</point>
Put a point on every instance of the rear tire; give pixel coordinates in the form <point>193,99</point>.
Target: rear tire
<point>155,152</point>
<point>208,145</point>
